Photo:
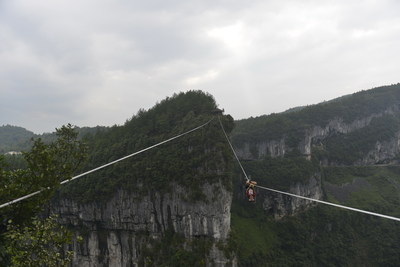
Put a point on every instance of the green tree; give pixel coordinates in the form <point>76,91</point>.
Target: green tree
<point>47,166</point>
<point>38,244</point>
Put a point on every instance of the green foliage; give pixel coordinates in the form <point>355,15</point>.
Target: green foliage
<point>342,175</point>
<point>13,138</point>
<point>381,193</point>
<point>190,161</point>
<point>349,108</point>
<point>14,162</point>
<point>280,173</point>
<point>348,148</point>
<point>230,247</point>
<point>47,165</point>
<point>323,235</point>
<point>39,244</point>
<point>252,234</point>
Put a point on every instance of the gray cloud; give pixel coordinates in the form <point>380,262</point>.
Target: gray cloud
<point>97,62</point>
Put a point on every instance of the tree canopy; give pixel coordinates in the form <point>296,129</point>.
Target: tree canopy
<point>25,237</point>
<point>349,108</point>
<point>192,160</point>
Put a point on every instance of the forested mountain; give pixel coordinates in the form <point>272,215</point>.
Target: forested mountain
<point>344,151</point>
<point>183,203</point>
<point>18,139</point>
<point>168,206</point>
<point>13,138</point>
<point>178,162</point>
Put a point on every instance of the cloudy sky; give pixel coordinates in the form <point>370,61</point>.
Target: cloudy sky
<point>97,62</point>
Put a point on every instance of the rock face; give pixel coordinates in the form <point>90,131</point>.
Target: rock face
<point>312,135</point>
<point>273,148</point>
<point>303,140</point>
<point>383,153</point>
<point>117,232</point>
<point>279,205</point>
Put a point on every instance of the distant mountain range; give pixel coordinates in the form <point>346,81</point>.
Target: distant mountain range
<point>18,139</point>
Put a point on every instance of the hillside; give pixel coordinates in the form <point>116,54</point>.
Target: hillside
<point>344,151</point>
<point>350,108</point>
<point>13,138</point>
<point>353,124</point>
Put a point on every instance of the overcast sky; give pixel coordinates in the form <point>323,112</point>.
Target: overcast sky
<point>97,62</point>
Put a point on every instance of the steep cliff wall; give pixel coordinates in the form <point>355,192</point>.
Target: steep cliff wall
<point>279,205</point>
<point>384,152</point>
<point>317,133</point>
<point>308,137</point>
<point>118,232</point>
<point>252,151</point>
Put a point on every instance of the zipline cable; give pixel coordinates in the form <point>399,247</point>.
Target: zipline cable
<point>138,152</point>
<point>233,150</point>
<point>302,197</point>
<point>105,165</point>
<point>331,204</point>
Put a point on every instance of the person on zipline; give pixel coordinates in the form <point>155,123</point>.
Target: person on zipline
<point>250,191</point>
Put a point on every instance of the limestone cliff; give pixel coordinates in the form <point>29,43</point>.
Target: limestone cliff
<point>119,231</point>
<point>313,135</point>
<point>170,205</point>
<point>279,205</point>
<point>384,152</point>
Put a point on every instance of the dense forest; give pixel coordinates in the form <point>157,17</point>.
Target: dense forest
<point>190,162</point>
<point>292,124</point>
<point>324,235</point>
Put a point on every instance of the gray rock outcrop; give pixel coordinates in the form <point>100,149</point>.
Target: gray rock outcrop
<point>311,136</point>
<point>116,232</point>
<point>279,205</point>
